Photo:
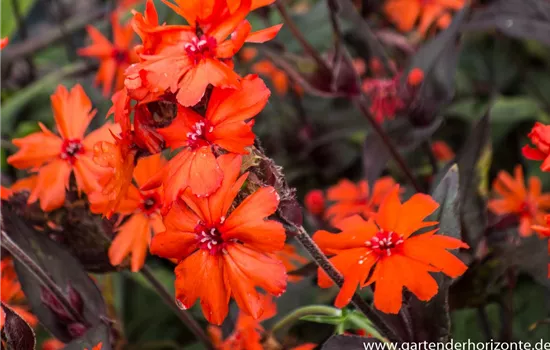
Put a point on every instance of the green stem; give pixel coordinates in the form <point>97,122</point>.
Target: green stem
<point>365,324</point>
<point>295,315</point>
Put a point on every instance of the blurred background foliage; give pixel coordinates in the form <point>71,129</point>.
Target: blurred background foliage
<point>318,141</point>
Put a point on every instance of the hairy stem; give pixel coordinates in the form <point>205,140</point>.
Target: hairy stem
<point>323,262</point>
<point>182,314</point>
<point>359,102</point>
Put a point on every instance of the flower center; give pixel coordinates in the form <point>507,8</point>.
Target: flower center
<point>385,242</point>
<point>150,203</point>
<point>201,47</point>
<point>197,137</point>
<point>121,56</point>
<point>70,148</point>
<point>528,208</point>
<point>210,238</point>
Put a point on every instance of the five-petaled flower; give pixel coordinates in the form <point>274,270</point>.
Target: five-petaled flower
<point>406,13</point>
<point>226,125</point>
<point>528,204</point>
<point>540,137</point>
<point>143,209</point>
<point>56,157</point>
<point>350,198</point>
<point>224,253</point>
<point>114,57</point>
<point>198,54</point>
<point>384,245</point>
<point>12,295</point>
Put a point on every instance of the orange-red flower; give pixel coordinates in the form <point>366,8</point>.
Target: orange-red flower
<point>350,198</point>
<point>384,245</point>
<point>278,77</point>
<point>198,54</point>
<point>442,151</point>
<point>292,260</point>
<point>315,202</point>
<point>223,253</point>
<point>12,295</point>
<point>528,204</point>
<point>52,344</point>
<point>248,333</point>
<point>540,137</point>
<point>114,57</point>
<point>406,13</point>
<point>225,126</point>
<point>56,157</point>
<point>142,211</point>
<point>98,346</point>
<point>4,42</point>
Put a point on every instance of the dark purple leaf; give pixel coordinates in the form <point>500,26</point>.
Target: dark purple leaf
<point>473,210</point>
<point>438,60</point>
<point>431,320</point>
<point>18,334</point>
<point>66,272</point>
<point>339,342</point>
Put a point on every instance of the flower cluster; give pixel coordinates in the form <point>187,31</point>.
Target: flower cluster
<point>201,207</point>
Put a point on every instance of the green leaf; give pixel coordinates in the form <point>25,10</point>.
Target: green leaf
<point>508,112</point>
<point>9,22</point>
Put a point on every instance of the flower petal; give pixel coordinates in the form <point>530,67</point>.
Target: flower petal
<point>389,211</point>
<point>263,35</point>
<point>227,105</point>
<point>355,232</point>
<point>35,150</point>
<point>72,111</point>
<point>133,237</point>
<point>413,212</point>
<point>388,292</point>
<point>254,208</point>
<point>51,183</point>
<point>432,249</point>
<point>265,272</point>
